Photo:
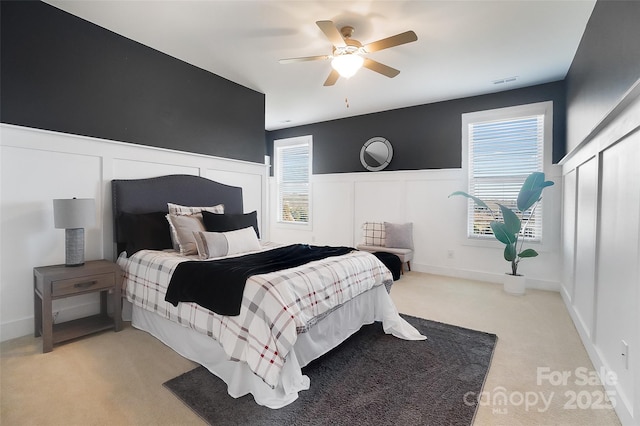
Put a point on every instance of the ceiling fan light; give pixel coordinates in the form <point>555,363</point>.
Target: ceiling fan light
<point>348,64</point>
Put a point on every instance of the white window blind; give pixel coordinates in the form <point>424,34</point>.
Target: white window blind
<point>293,171</point>
<point>502,153</point>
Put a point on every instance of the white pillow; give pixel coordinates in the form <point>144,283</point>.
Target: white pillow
<point>182,228</point>
<point>218,244</point>
<point>178,210</point>
<point>374,234</point>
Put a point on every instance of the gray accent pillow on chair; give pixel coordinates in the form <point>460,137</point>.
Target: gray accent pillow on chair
<point>399,235</point>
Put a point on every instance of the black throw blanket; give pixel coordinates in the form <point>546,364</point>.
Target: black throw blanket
<point>218,285</point>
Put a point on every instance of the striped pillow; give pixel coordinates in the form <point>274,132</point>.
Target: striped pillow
<point>178,210</point>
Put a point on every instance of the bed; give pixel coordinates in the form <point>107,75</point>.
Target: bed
<point>285,319</point>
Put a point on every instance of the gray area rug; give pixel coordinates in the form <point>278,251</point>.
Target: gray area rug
<point>371,379</point>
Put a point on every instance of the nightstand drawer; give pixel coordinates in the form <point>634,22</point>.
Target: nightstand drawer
<point>82,284</point>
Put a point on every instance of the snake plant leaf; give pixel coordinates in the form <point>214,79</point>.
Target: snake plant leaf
<point>510,252</point>
<point>502,233</point>
<point>528,253</point>
<point>511,220</point>
<point>477,200</point>
<point>531,190</point>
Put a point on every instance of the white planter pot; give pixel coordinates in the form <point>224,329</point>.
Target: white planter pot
<point>514,284</point>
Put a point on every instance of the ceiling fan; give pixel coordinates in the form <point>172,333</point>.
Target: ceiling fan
<point>347,56</point>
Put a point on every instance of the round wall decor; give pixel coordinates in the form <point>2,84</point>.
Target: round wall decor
<point>376,154</point>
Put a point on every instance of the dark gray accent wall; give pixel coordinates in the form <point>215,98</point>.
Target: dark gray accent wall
<point>62,73</point>
<point>423,137</point>
<point>605,67</point>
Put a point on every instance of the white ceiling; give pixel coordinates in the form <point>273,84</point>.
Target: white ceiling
<point>462,47</point>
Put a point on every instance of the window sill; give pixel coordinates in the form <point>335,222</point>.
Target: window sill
<point>493,243</point>
<point>294,225</point>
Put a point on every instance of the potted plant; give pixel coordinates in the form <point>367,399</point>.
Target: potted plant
<point>510,230</point>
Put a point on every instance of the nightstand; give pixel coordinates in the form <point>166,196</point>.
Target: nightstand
<point>60,281</point>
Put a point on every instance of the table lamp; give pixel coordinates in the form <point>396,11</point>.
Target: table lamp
<point>73,215</point>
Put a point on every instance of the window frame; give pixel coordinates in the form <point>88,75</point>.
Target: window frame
<point>284,143</point>
<point>513,112</point>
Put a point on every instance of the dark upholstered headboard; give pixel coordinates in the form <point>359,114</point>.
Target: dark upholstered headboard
<point>152,195</point>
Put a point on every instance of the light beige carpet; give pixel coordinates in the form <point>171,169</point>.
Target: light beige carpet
<point>116,378</point>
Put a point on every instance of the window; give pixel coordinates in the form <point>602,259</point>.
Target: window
<point>293,172</point>
<point>500,149</point>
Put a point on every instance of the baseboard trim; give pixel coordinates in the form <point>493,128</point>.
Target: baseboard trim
<point>468,274</point>
<point>17,328</point>
<point>623,406</point>
<point>24,326</point>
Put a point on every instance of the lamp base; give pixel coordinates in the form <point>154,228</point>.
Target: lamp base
<point>74,247</point>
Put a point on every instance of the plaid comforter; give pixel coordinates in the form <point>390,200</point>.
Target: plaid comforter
<point>275,306</point>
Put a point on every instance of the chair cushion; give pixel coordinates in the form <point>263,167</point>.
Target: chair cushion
<point>405,255</point>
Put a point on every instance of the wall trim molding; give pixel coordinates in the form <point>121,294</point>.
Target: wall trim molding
<point>39,146</point>
<point>64,155</point>
<point>390,175</point>
<point>490,277</point>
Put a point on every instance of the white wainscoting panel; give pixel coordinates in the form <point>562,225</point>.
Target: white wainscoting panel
<point>140,169</point>
<point>585,262</point>
<point>603,298</point>
<point>38,166</point>
<point>438,223</point>
<point>379,201</point>
<point>619,243</point>
<point>253,193</point>
<point>332,220</point>
<point>343,201</point>
<point>31,179</point>
<point>569,232</point>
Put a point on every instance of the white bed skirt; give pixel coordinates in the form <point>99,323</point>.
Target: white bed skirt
<point>322,337</point>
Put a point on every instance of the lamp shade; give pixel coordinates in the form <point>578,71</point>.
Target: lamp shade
<point>347,64</point>
<point>74,213</point>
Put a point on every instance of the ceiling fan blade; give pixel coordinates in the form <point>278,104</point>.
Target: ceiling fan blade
<point>396,40</point>
<point>329,29</point>
<point>333,77</point>
<point>304,59</point>
<point>380,68</point>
